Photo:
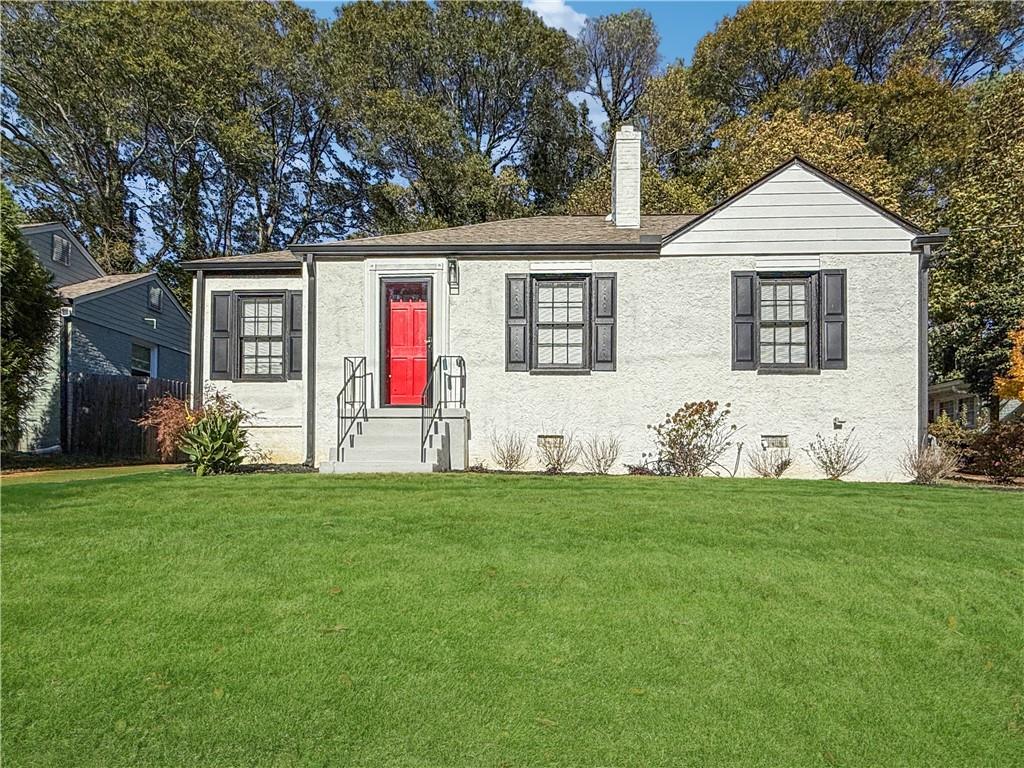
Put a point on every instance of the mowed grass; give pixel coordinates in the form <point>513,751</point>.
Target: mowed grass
<point>475,620</point>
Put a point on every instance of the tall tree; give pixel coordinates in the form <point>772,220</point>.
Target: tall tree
<point>76,108</point>
<point>28,319</point>
<point>978,297</point>
<point>440,106</point>
<point>619,54</point>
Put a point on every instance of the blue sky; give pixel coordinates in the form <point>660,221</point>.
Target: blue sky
<point>681,24</point>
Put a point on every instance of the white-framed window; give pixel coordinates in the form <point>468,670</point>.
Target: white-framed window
<point>156,297</point>
<point>61,250</point>
<point>142,360</point>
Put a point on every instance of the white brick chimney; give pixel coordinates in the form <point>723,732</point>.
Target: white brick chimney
<point>626,178</point>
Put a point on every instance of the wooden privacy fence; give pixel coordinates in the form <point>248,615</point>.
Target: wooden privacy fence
<point>103,411</point>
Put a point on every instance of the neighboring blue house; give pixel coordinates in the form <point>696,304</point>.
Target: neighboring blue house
<point>128,324</point>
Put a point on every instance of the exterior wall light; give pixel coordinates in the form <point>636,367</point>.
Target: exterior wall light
<point>453,275</point>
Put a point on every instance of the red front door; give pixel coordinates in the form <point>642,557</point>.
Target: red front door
<point>406,314</point>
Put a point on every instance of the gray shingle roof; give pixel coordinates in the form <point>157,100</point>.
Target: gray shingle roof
<point>534,230</point>
<point>287,258</point>
<point>77,290</point>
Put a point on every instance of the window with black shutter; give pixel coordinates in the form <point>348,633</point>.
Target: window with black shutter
<point>256,336</point>
<point>794,322</point>
<point>560,323</point>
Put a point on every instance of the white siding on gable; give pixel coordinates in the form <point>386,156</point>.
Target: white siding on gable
<point>794,212</point>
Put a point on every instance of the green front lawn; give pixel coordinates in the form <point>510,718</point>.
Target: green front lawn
<point>481,620</point>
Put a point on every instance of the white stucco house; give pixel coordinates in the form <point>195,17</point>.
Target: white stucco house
<point>799,301</point>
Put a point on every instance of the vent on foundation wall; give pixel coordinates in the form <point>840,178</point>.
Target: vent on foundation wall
<point>774,441</point>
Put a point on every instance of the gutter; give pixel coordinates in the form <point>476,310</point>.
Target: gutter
<point>243,266</point>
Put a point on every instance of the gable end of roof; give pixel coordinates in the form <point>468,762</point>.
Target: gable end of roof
<point>797,160</point>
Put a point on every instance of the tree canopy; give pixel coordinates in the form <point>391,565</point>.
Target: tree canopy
<point>163,132</point>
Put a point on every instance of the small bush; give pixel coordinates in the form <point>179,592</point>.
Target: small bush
<point>954,435</point>
<point>558,455</point>
<point>509,450</point>
<point>693,439</point>
<point>837,457</point>
<point>215,443</point>
<point>170,417</point>
<point>999,451</point>
<point>639,469</point>
<point>599,454</point>
<point>770,462</point>
<point>928,463</point>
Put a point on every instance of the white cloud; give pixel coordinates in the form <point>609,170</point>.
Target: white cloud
<point>558,14</point>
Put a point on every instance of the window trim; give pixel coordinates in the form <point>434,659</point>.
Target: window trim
<point>586,363</point>
<point>237,339</point>
<point>159,306</point>
<point>132,359</point>
<point>810,322</point>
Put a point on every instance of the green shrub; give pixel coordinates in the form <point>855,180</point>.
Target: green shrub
<point>28,318</point>
<point>215,443</point>
<point>954,435</point>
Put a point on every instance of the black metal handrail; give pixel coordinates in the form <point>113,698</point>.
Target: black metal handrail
<point>352,397</point>
<point>445,388</point>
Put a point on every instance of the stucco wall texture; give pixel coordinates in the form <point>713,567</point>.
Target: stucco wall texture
<point>673,335</point>
<point>673,339</point>
<point>279,405</point>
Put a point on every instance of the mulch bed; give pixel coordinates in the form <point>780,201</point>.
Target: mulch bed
<point>273,469</point>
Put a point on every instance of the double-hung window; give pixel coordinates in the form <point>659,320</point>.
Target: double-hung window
<point>261,336</point>
<point>789,323</point>
<point>560,322</point>
<point>256,335</point>
<point>786,323</point>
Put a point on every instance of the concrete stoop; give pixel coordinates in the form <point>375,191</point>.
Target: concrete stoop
<point>388,440</point>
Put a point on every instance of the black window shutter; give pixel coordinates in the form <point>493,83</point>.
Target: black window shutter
<point>221,317</point>
<point>517,322</point>
<point>603,333</point>
<point>744,321</point>
<point>833,318</point>
<point>293,299</point>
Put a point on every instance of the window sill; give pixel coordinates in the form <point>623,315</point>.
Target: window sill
<point>788,372</point>
<point>560,372</point>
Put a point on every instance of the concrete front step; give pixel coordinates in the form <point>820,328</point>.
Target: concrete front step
<point>354,467</point>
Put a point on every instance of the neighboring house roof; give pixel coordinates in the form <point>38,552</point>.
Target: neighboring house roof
<point>101,286</point>
<point>823,175</point>
<point>46,226</point>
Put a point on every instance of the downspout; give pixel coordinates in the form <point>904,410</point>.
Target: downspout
<point>198,332</point>
<point>310,305</point>
<point>65,382</point>
<point>923,245</point>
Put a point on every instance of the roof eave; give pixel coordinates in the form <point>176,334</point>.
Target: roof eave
<point>243,266</point>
